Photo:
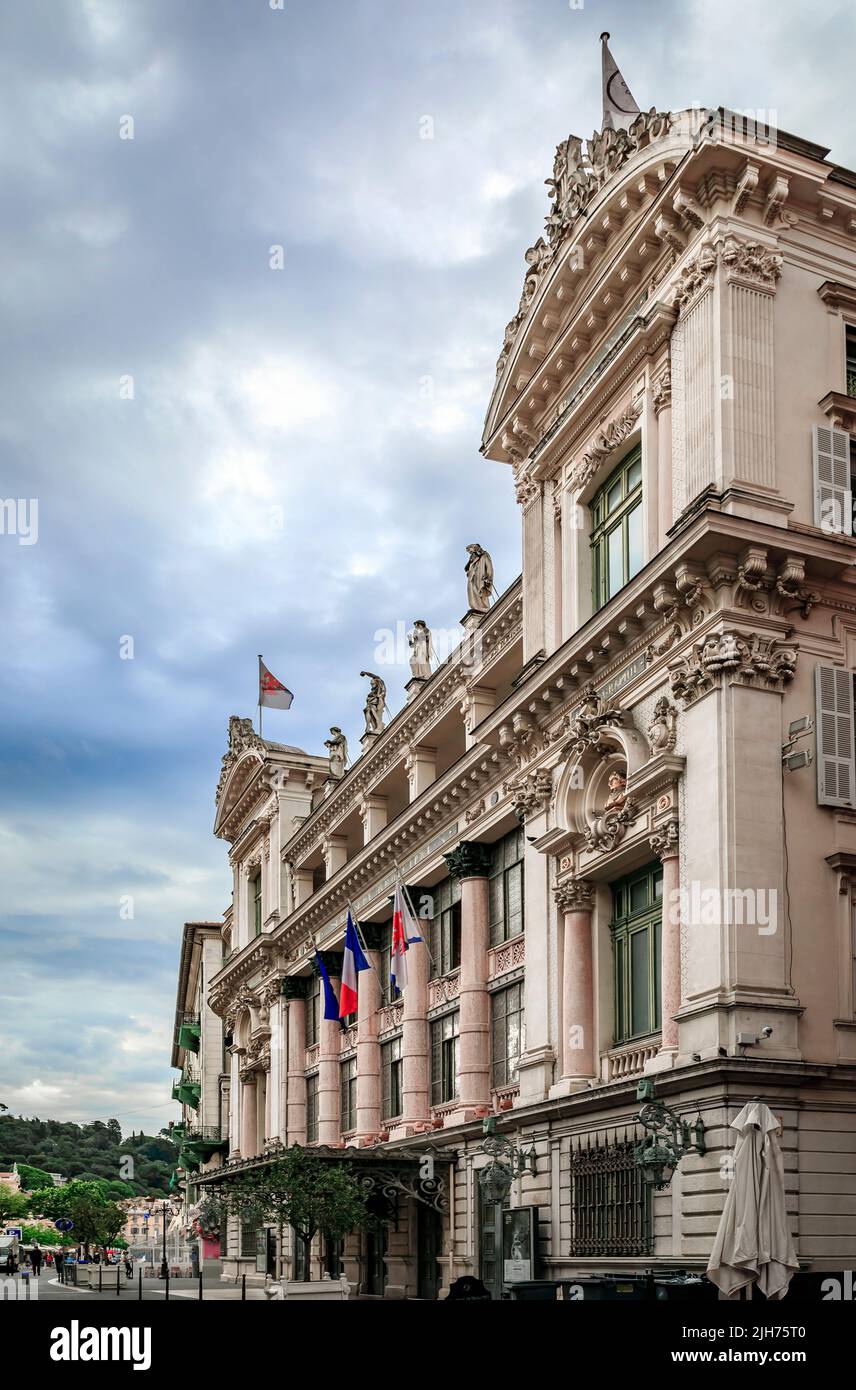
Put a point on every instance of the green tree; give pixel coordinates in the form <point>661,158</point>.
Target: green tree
<point>301,1190</point>
<point>96,1221</point>
<point>12,1204</point>
<point>31,1178</point>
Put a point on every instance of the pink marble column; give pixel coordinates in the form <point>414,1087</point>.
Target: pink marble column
<point>249,1118</point>
<point>470,862</point>
<point>368,1047</point>
<point>329,1035</point>
<point>665,844</point>
<point>294,990</point>
<point>415,1081</point>
<point>578,1051</point>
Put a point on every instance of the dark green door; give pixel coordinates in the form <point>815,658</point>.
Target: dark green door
<point>375,1244</point>
<point>429,1238</point>
<point>490,1242</point>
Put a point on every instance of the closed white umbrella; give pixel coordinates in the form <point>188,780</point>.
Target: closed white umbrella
<point>753,1242</point>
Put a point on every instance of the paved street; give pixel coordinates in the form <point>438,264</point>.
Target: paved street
<point>49,1290</point>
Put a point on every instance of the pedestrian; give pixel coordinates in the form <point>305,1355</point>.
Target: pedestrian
<point>36,1259</point>
<point>10,1263</point>
<point>129,1268</point>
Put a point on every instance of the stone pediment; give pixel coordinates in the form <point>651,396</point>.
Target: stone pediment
<point>242,765</point>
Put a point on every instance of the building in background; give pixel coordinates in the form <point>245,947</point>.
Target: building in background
<point>626,869</point>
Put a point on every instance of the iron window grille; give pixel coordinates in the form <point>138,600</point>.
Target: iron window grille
<point>610,1200</point>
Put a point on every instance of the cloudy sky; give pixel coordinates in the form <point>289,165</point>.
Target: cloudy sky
<point>230,458</point>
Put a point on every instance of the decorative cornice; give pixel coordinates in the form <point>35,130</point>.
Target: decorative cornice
<point>746,261</point>
<point>469,859</point>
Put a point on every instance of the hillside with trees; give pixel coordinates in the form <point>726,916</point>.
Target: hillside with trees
<point>133,1165</point>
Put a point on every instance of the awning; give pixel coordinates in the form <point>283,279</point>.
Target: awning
<point>382,1171</point>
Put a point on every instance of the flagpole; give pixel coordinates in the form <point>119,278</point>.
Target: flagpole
<point>260,694</point>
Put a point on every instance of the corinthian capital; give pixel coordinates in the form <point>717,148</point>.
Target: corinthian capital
<point>664,842</point>
<point>574,895</point>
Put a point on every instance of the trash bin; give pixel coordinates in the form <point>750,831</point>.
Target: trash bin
<point>532,1291</point>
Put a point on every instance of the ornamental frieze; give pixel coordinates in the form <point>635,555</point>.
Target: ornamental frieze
<point>749,261</point>
<point>767,662</point>
<point>609,438</point>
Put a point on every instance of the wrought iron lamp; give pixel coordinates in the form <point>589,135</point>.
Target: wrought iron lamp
<point>669,1138</point>
<point>506,1162</point>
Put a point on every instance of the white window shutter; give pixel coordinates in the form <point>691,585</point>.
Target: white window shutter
<point>835,751</point>
<point>833,500</point>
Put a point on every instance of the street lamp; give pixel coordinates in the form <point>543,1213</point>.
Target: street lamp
<point>164,1269</point>
<point>670,1137</point>
<point>507,1162</point>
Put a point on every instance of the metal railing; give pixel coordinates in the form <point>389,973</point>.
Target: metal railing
<point>610,1201</point>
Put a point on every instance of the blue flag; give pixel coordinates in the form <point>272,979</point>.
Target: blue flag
<point>331,1003</point>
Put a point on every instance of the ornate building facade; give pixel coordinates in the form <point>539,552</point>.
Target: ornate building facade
<point>597,801</point>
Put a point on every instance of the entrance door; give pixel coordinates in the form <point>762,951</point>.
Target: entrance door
<point>490,1242</point>
<point>429,1244</point>
<point>375,1246</point>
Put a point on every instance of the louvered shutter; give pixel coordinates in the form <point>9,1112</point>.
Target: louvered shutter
<point>833,500</point>
<point>835,754</point>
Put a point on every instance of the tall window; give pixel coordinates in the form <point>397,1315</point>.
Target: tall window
<point>506,888</point>
<point>256,886</point>
<point>391,1079</point>
<point>313,1010</point>
<point>348,1093</point>
<point>387,993</point>
<point>445,1042</point>
<point>249,1235</point>
<point>616,538</point>
<point>445,929</point>
<point>506,1033</point>
<point>637,904</point>
<point>312,1108</point>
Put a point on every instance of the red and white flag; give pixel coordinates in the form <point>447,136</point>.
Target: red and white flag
<point>271,691</point>
<point>405,932</point>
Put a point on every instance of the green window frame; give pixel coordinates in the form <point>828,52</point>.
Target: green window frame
<point>850,359</point>
<point>256,882</point>
<point>445,1058</point>
<point>637,910</point>
<point>445,928</point>
<point>312,1108</point>
<point>616,535</point>
<point>507,1033</point>
<point>506,888</point>
<point>391,1068</point>
<point>348,1095</point>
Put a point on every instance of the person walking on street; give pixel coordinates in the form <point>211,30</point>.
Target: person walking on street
<point>36,1259</point>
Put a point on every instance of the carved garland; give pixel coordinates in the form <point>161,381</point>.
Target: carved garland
<point>606,441</point>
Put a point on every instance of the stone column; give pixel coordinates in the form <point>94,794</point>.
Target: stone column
<point>470,863</point>
<point>665,844</point>
<point>328,1062</point>
<point>368,1047</point>
<point>415,1078</point>
<point>248,1114</point>
<point>294,991</point>
<point>578,1050</point>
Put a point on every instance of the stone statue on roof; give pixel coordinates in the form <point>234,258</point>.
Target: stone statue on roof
<point>479,572</point>
<point>375,703</point>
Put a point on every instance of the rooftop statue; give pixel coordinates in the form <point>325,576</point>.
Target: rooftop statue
<point>375,703</point>
<point>337,747</point>
<point>479,572</point>
<point>421,650</point>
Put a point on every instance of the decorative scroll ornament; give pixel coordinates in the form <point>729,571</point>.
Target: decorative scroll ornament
<point>664,842</point>
<point>242,736</point>
<point>609,438</point>
<point>578,175</point>
<point>662,732</point>
<point>592,717</point>
<point>530,793</point>
<point>755,660</point>
<point>606,830</point>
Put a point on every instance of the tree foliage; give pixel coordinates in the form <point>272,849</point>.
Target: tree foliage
<point>141,1163</point>
<point>96,1220</point>
<point>12,1204</point>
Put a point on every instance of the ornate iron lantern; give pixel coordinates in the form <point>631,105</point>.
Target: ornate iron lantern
<point>506,1162</point>
<point>670,1137</point>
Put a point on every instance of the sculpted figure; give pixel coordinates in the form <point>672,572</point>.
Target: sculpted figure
<point>479,572</point>
<point>375,703</point>
<point>421,650</point>
<point>662,731</point>
<point>617,784</point>
<point>337,747</point>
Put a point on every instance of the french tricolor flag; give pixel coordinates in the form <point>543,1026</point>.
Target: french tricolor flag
<point>353,961</point>
<point>405,933</point>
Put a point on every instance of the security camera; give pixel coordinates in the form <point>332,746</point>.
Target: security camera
<point>766,1032</point>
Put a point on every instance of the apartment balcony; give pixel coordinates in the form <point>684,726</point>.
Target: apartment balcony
<point>189,1032</point>
<point>187,1093</point>
<point>201,1142</point>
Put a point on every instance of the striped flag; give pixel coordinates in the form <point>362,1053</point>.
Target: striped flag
<point>353,961</point>
<point>405,931</point>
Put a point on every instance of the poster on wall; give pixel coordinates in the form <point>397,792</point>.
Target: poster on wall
<point>518,1244</point>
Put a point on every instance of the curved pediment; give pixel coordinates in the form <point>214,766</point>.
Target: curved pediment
<point>237,781</point>
<point>605,196</point>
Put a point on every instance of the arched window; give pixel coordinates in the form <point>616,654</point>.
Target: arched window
<point>616,537</point>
